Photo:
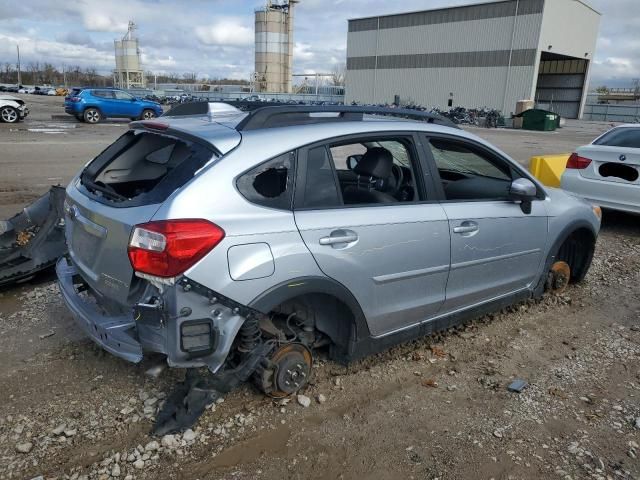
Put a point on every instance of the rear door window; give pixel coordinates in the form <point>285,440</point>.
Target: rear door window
<point>103,94</point>
<point>321,188</point>
<point>620,137</point>
<point>120,95</point>
<point>371,170</point>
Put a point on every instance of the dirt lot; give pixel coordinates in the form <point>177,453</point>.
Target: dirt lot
<point>436,408</point>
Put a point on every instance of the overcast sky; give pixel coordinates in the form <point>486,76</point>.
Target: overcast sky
<point>214,38</point>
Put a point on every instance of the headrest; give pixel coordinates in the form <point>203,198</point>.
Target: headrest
<point>376,163</point>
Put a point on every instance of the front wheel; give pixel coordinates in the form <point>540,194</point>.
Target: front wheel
<point>9,115</point>
<point>92,115</point>
<point>148,114</point>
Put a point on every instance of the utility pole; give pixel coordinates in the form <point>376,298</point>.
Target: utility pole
<point>19,78</point>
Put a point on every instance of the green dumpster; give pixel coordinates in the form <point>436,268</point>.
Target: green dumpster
<point>541,120</point>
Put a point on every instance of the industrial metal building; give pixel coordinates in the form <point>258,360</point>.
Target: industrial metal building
<point>480,55</point>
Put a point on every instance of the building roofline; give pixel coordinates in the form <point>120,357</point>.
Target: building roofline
<point>583,2</point>
<point>472,4</point>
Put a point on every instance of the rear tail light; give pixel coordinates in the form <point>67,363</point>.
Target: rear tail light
<point>72,99</point>
<point>577,162</point>
<point>168,248</point>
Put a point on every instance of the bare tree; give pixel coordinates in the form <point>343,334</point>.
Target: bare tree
<point>190,77</point>
<point>34,71</point>
<point>338,75</point>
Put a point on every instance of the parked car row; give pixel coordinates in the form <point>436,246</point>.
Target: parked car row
<point>30,90</point>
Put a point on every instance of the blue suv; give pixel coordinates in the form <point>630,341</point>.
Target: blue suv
<point>95,104</point>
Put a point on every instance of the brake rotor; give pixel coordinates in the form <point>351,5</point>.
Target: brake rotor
<point>289,370</point>
<point>559,277</point>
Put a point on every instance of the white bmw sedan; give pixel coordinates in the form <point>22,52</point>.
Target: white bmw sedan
<point>607,171</point>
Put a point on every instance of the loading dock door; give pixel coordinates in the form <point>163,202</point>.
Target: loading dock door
<point>561,82</point>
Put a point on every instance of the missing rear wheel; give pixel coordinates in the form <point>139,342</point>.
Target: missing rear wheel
<point>286,371</point>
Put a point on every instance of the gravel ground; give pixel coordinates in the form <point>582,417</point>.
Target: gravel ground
<point>434,408</point>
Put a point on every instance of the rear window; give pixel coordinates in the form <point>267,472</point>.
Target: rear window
<point>143,168</point>
<point>620,137</point>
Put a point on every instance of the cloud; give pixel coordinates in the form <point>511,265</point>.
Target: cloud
<point>54,52</point>
<point>302,51</point>
<point>75,38</point>
<point>228,33</point>
<point>100,22</point>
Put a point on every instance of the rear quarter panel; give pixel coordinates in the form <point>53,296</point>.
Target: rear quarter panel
<point>212,196</point>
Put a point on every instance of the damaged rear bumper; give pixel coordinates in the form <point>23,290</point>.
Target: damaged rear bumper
<point>115,334</point>
<point>188,316</point>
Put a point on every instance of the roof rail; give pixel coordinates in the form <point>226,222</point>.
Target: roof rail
<point>288,115</point>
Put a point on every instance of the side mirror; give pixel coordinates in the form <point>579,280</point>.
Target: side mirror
<point>523,190</point>
<point>352,161</point>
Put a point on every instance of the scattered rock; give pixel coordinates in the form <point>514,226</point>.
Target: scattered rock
<point>59,429</point>
<point>304,400</point>
<point>138,464</point>
<point>169,441</point>
<point>24,447</point>
<point>497,433</point>
<point>152,446</point>
<point>115,471</point>
<point>189,435</point>
<point>321,398</point>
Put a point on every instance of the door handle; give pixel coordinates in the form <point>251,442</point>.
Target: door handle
<point>466,227</point>
<point>333,240</point>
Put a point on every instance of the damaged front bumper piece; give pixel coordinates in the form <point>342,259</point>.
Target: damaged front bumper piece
<point>33,239</point>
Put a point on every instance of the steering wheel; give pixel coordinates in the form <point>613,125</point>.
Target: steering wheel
<point>394,185</point>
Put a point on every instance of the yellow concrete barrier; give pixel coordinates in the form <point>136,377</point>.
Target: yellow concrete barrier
<point>549,168</point>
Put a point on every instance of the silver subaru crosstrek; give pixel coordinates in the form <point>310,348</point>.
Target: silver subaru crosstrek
<point>212,236</point>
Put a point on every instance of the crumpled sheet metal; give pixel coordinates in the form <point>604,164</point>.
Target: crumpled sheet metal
<point>33,239</point>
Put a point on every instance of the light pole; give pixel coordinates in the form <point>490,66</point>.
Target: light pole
<point>19,78</point>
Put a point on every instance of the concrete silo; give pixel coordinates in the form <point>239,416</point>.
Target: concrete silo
<point>128,72</point>
<point>274,46</point>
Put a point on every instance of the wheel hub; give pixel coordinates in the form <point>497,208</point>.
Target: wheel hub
<point>559,277</point>
<point>9,115</point>
<point>288,371</point>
